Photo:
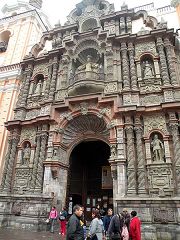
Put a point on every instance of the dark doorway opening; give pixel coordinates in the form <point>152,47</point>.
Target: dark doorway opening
<point>90,182</point>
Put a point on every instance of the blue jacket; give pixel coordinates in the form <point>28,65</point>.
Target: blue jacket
<point>106,222</point>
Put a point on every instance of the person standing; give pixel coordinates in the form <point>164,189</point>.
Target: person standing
<point>75,225</point>
<point>126,217</point>
<point>96,226</point>
<point>115,227</point>
<point>53,217</point>
<point>62,217</point>
<point>135,227</point>
<point>107,219</point>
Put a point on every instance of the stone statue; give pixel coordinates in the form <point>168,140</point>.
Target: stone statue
<point>157,149</point>
<point>89,66</point>
<point>147,69</point>
<point>38,88</point>
<point>26,155</point>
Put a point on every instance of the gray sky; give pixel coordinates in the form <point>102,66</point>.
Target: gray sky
<point>59,9</point>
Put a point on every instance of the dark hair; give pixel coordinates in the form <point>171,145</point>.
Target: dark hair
<point>76,207</point>
<point>133,213</point>
<point>96,213</point>
<point>64,208</point>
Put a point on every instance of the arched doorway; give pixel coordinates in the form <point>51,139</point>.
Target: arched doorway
<point>90,181</point>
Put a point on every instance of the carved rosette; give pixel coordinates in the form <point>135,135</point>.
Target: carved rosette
<point>164,67</point>
<point>125,67</point>
<point>131,173</point>
<point>140,162</point>
<point>171,63</point>
<point>132,66</point>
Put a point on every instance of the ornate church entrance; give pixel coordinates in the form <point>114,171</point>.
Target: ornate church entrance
<point>90,181</point>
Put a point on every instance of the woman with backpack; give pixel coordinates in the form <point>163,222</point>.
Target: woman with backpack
<point>63,217</point>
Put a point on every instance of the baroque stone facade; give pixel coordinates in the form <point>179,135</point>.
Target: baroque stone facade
<point>102,82</point>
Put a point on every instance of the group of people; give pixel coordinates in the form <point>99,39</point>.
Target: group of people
<point>121,226</point>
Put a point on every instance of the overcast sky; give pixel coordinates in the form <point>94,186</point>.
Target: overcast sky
<point>59,9</point>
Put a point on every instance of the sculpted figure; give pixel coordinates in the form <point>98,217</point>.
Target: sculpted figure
<point>26,155</point>
<point>147,69</point>
<point>89,66</point>
<point>157,148</point>
<point>38,87</point>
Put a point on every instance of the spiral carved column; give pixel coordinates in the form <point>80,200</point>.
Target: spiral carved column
<point>171,63</point>
<point>141,176</point>
<point>8,180</point>
<point>163,63</point>
<point>6,163</point>
<point>132,67</point>
<point>131,167</point>
<point>36,160</point>
<point>53,81</point>
<point>50,69</point>
<point>125,67</point>
<point>176,146</point>
<point>26,86</point>
<point>39,177</point>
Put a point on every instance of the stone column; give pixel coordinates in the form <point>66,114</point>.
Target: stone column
<point>163,63</point>
<point>125,67</point>
<point>25,90</point>
<point>23,80</point>
<point>132,66</point>
<point>65,68</point>
<point>50,68</point>
<point>39,178</point>
<point>53,81</point>
<point>176,147</point>
<point>171,62</point>
<point>35,164</point>
<point>121,163</point>
<point>141,174</point>
<point>131,163</point>
<point>10,167</point>
<point>109,62</point>
<point>6,163</point>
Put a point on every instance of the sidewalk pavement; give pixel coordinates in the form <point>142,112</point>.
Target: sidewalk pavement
<point>18,234</point>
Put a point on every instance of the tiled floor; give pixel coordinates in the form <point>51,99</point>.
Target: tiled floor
<point>10,234</point>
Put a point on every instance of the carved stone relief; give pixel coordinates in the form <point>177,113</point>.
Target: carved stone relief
<point>164,215</point>
<point>28,134</point>
<point>61,94</point>
<point>145,47</point>
<point>111,88</point>
<point>155,122</point>
<point>22,180</point>
<point>152,99</point>
<point>42,68</point>
<point>160,180</point>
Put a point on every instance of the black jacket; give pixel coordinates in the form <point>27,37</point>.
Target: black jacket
<point>74,228</point>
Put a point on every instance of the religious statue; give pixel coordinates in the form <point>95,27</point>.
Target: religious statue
<point>26,155</point>
<point>113,150</point>
<point>147,69</point>
<point>89,66</point>
<point>38,88</point>
<point>157,149</point>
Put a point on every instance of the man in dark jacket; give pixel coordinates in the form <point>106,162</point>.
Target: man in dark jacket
<point>75,225</point>
<point>107,219</point>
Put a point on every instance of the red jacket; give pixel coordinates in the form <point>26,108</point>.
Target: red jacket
<point>135,229</point>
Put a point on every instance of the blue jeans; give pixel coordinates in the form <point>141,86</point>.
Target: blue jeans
<point>52,220</point>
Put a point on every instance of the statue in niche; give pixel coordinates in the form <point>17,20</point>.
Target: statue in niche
<point>148,69</point>
<point>38,88</point>
<point>26,154</point>
<point>113,150</point>
<point>157,149</point>
<point>89,66</point>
